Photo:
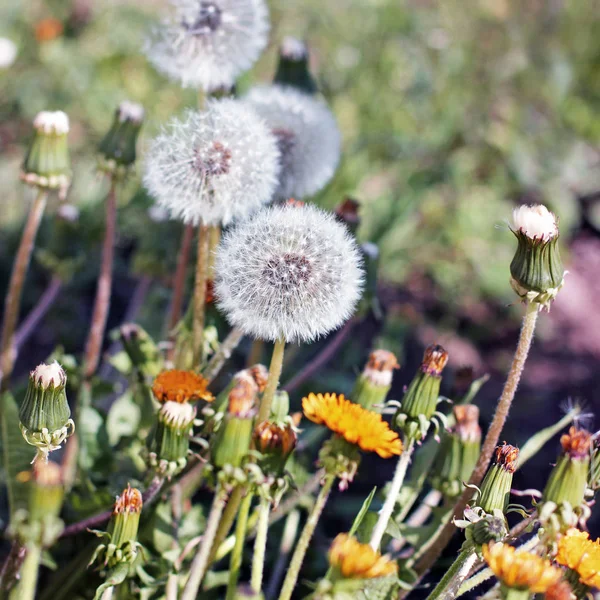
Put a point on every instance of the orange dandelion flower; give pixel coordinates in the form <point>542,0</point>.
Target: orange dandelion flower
<point>48,29</point>
<point>578,552</point>
<point>181,386</point>
<point>521,570</point>
<point>359,561</point>
<point>355,424</point>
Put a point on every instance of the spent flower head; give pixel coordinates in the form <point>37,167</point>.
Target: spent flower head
<point>208,43</point>
<point>307,135</point>
<point>288,272</point>
<point>213,166</point>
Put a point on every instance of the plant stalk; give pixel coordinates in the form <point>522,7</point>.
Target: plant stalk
<point>390,502</point>
<point>446,589</point>
<point>200,294</point>
<point>29,574</point>
<point>12,303</point>
<point>260,546</point>
<point>235,563</point>
<point>290,530</point>
<point>228,345</point>
<point>273,382</point>
<point>93,346</point>
<point>233,504</point>
<point>289,583</point>
<point>183,258</point>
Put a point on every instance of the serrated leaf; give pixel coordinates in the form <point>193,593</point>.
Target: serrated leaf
<point>123,418</point>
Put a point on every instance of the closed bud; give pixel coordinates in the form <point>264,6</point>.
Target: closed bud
<point>276,443</point>
<point>293,68</point>
<point>117,148</point>
<point>568,479</point>
<point>47,164</point>
<point>45,413</point>
<point>141,349</point>
<point>374,383</point>
<point>490,528</point>
<point>495,489</point>
<point>537,272</point>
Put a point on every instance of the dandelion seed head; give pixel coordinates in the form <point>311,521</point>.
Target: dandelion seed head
<point>208,44</point>
<point>288,272</point>
<point>535,221</point>
<point>213,166</point>
<point>307,134</point>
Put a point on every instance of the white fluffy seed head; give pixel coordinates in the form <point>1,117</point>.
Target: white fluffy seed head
<point>208,43</point>
<point>213,166</point>
<point>47,375</point>
<point>291,272</point>
<point>8,53</point>
<point>535,221</point>
<point>130,111</point>
<point>308,137</point>
<point>52,122</point>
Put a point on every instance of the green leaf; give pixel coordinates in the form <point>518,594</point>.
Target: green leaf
<point>123,418</point>
<point>90,429</point>
<point>362,512</point>
<point>17,454</point>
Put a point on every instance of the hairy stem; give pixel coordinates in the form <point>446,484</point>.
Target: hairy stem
<point>12,303</point>
<point>289,583</point>
<point>273,382</point>
<point>390,502</point>
<point>29,574</point>
<point>260,546</point>
<point>12,566</point>
<point>93,346</point>
<point>288,538</point>
<point>492,437</point>
<point>231,510</point>
<point>455,575</point>
<point>200,294</point>
<point>235,563</point>
<point>201,562</point>
<point>228,345</point>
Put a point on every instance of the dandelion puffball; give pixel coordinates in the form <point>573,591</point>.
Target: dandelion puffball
<point>209,44</point>
<point>213,166</point>
<point>289,272</point>
<point>308,137</point>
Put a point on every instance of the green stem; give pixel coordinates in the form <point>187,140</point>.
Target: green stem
<point>29,574</point>
<point>291,578</point>
<point>201,559</point>
<point>390,502</point>
<point>454,576</point>
<point>228,345</point>
<point>231,510</point>
<point>475,581</point>
<point>12,303</point>
<point>200,294</point>
<point>273,381</point>
<point>235,563</point>
<point>260,545</point>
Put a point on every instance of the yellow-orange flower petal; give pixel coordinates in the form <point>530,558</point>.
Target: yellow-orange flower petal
<point>355,424</point>
<point>521,570</point>
<point>359,561</point>
<point>578,552</point>
<point>181,386</point>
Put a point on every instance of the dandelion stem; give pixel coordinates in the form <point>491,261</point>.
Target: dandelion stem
<point>288,538</point>
<point>455,575</point>
<point>289,583</point>
<point>201,559</point>
<point>200,294</point>
<point>12,303</point>
<point>235,563</point>
<point>228,345</point>
<point>260,545</point>
<point>390,502</point>
<point>273,381</point>
<point>93,346</point>
<point>492,437</point>
<point>29,574</point>
<point>226,522</point>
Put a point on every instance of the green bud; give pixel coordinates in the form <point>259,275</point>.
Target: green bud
<point>141,349</point>
<point>495,489</point>
<point>47,164</point>
<point>293,68</point>
<point>490,528</point>
<point>374,383</point>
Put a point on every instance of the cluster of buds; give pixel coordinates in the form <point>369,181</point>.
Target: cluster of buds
<point>47,164</point>
<point>170,442</point>
<point>141,350</point>
<point>458,452</point>
<point>120,541</point>
<point>293,68</point>
<point>374,383</point>
<point>45,416</point>
<point>418,407</point>
<point>340,459</point>
<point>117,148</point>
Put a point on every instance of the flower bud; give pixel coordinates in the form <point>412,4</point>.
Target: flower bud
<point>568,479</point>
<point>458,452</point>
<point>421,397</point>
<point>374,383</point>
<point>275,443</point>
<point>141,349</point>
<point>47,163</point>
<point>117,148</point>
<point>495,489</point>
<point>537,272</point>
<point>488,529</point>
<point>45,413</point>
<point>293,68</point>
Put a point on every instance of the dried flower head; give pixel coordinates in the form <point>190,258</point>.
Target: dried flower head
<point>181,386</point>
<point>506,456</point>
<point>208,43</point>
<point>578,552</point>
<point>260,375</point>
<point>364,428</point>
<point>467,422</point>
<point>520,570</point>
<point>213,166</point>
<point>291,273</point>
<point>535,221</point>
<point>380,367</point>
<point>577,443</point>
<point>242,398</point>
<point>561,590</point>
<point>271,437</point>
<point>130,501</point>
<point>307,135</point>
<point>435,359</point>
<point>359,561</point>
